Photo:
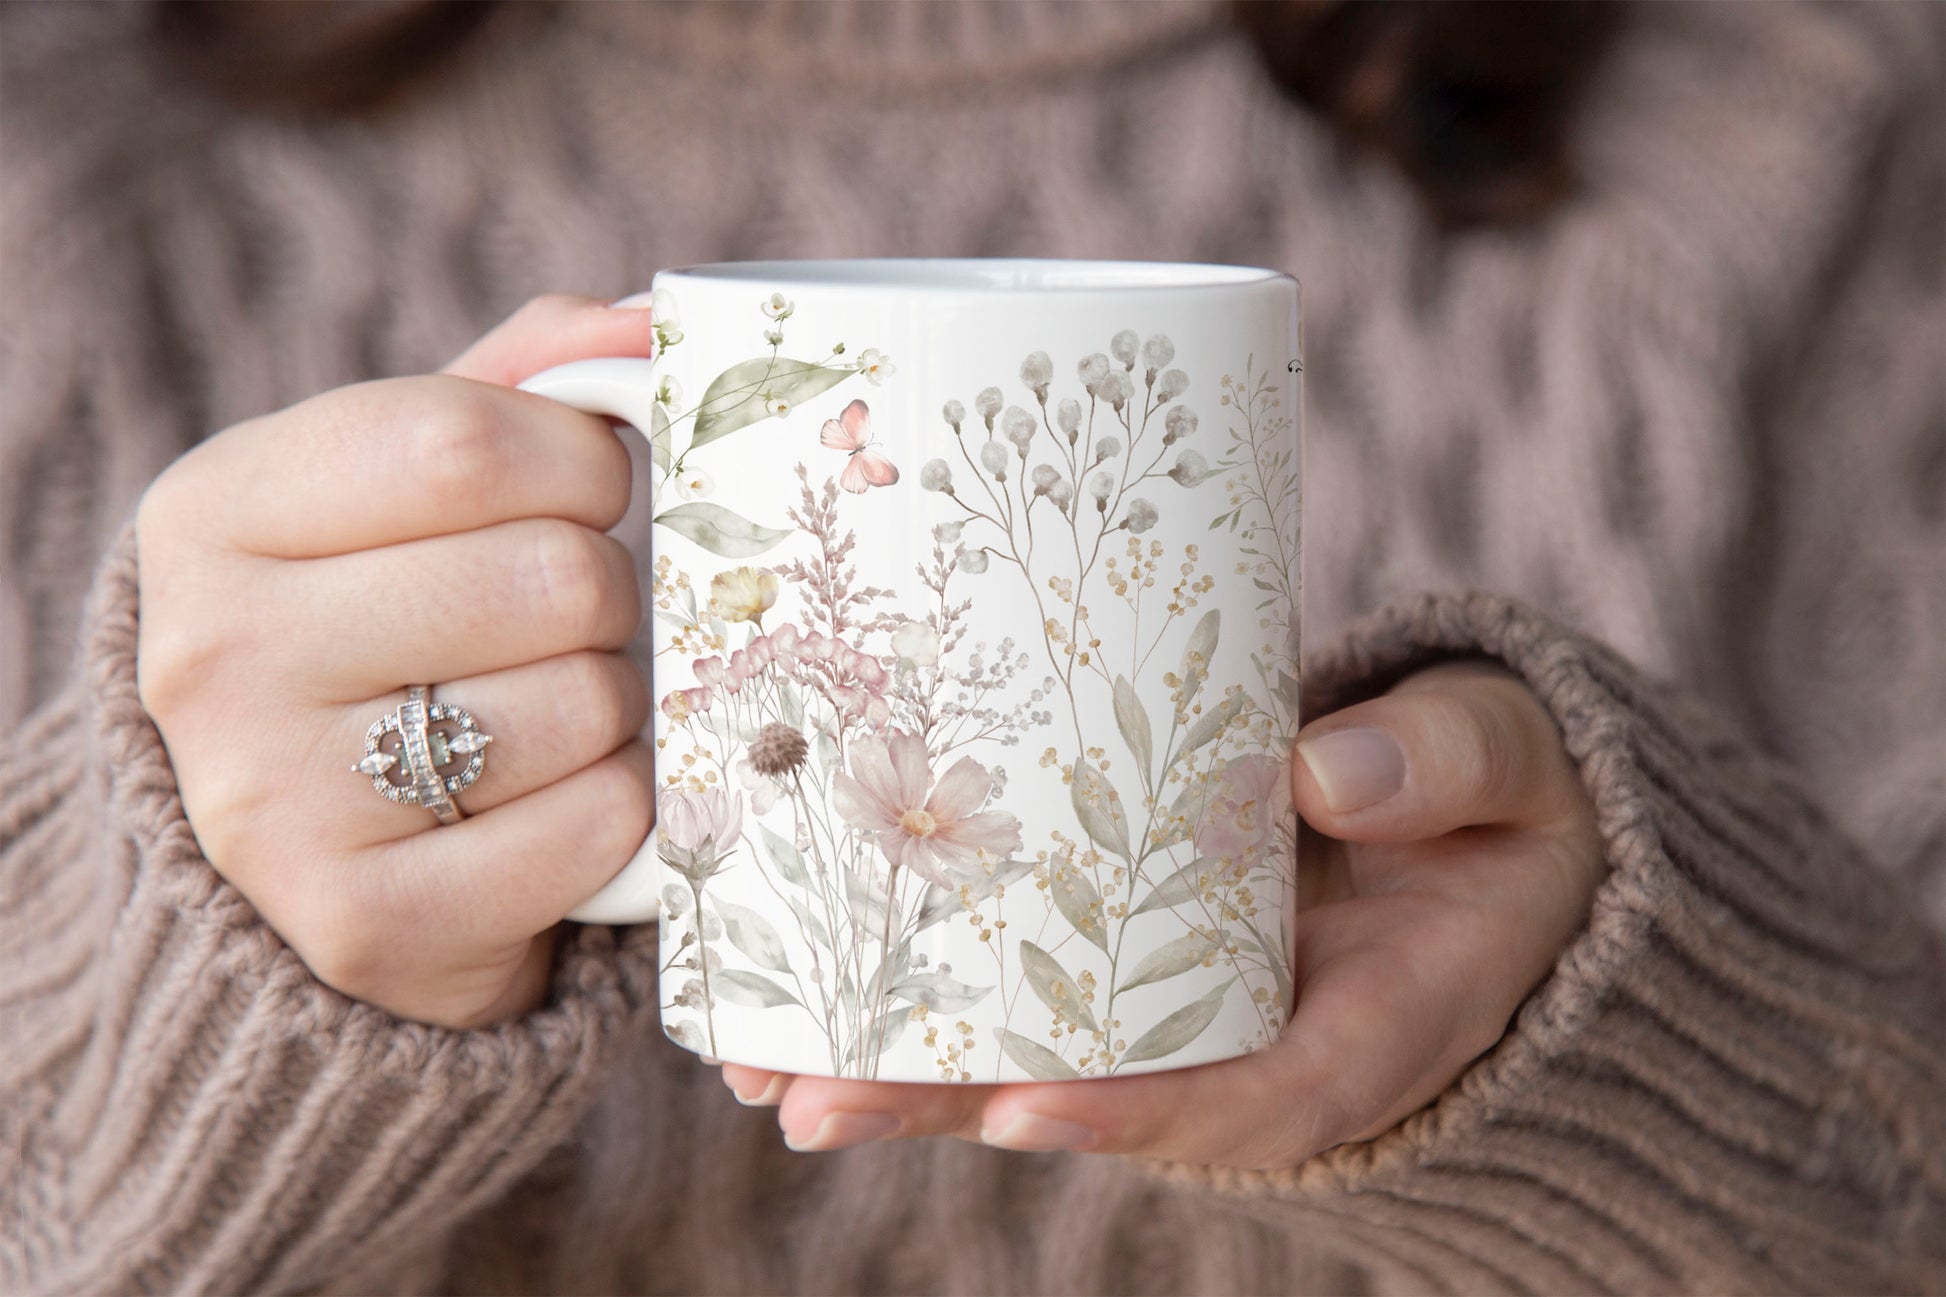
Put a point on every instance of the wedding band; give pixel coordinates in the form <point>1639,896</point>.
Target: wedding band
<point>429,738</point>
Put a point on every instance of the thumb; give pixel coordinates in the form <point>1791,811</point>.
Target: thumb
<point>1458,745</point>
<point>551,330</point>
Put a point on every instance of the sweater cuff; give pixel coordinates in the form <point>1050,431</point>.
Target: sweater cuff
<point>1731,1079</point>
<point>229,1122</point>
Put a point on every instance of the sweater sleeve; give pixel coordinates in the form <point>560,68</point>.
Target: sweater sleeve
<point>184,1106</point>
<point>1732,1080</point>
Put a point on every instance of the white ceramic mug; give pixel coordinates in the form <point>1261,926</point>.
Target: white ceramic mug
<point>975,618</point>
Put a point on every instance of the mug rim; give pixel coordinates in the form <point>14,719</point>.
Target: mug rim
<point>983,276</point>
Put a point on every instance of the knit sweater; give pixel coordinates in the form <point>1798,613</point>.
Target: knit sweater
<point>1688,432</point>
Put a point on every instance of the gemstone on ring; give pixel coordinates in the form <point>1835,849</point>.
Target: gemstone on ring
<point>410,752</point>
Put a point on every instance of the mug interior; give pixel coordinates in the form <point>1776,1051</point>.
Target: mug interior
<point>982,275</point>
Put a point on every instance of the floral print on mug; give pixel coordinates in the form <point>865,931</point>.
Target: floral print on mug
<point>855,756</point>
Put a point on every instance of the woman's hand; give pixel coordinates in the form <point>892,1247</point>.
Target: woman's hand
<point>1460,859</point>
<point>300,569</point>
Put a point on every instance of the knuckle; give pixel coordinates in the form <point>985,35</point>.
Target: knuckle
<point>610,478</point>
<point>340,939</point>
<point>159,512</point>
<point>595,698</point>
<point>454,446</point>
<point>627,797</point>
<point>176,659</point>
<point>1486,746</point>
<point>570,577</point>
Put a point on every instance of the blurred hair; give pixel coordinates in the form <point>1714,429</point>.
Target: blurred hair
<point>1470,99</point>
<point>313,56</point>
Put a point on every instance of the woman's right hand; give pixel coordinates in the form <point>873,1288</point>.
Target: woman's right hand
<point>300,569</point>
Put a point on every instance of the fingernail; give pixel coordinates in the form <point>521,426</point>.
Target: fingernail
<point>1030,1132</point>
<point>707,1061</point>
<point>844,1129</point>
<point>633,302</point>
<point>769,1097</point>
<point>1354,768</point>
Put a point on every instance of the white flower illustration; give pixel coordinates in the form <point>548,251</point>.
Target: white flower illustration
<point>1141,515</point>
<point>1018,427</point>
<point>669,392</point>
<point>1115,388</point>
<point>916,642</point>
<point>1101,486</point>
<point>1158,351</point>
<point>1068,416</point>
<point>777,406</point>
<point>667,316</point>
<point>694,484</point>
<point>936,476</point>
<point>993,458</point>
<point>778,307</point>
<point>874,366</point>
<point>988,403</point>
<point>1190,468</point>
<point>1037,371</point>
<point>1123,348</point>
<point>1092,371</point>
<point>955,414</point>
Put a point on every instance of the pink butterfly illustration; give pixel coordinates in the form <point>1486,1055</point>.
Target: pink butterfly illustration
<point>852,432</point>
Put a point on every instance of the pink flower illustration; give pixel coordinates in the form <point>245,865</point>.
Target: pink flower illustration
<point>695,832</point>
<point>679,704</point>
<point>852,680</point>
<point>936,830</point>
<point>1246,803</point>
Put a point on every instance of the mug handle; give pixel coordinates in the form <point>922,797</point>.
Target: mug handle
<point>620,388</point>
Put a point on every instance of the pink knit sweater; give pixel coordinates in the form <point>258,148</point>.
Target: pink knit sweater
<point>1689,432</point>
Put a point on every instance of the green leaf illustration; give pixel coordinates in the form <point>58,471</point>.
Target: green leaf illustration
<point>754,935</point>
<point>940,993</point>
<point>1176,1030</point>
<point>867,901</point>
<point>1080,904</point>
<point>1288,691</point>
<point>1099,808</point>
<point>1170,960</point>
<point>812,923</point>
<point>740,395</point>
<point>718,530</point>
<point>1197,653</point>
<point>1210,724</point>
<point>1178,888</point>
<point>753,990</point>
<point>784,854</point>
<point>882,1034</point>
<point>1038,1061</point>
<point>1134,724</point>
<point>941,903</point>
<point>1055,986</point>
<point>659,438</point>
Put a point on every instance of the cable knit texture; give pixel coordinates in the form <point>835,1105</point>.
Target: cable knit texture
<point>1690,431</point>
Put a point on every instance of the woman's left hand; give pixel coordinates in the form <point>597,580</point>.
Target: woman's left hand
<point>1458,858</point>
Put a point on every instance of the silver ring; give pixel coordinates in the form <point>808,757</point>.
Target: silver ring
<point>409,752</point>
